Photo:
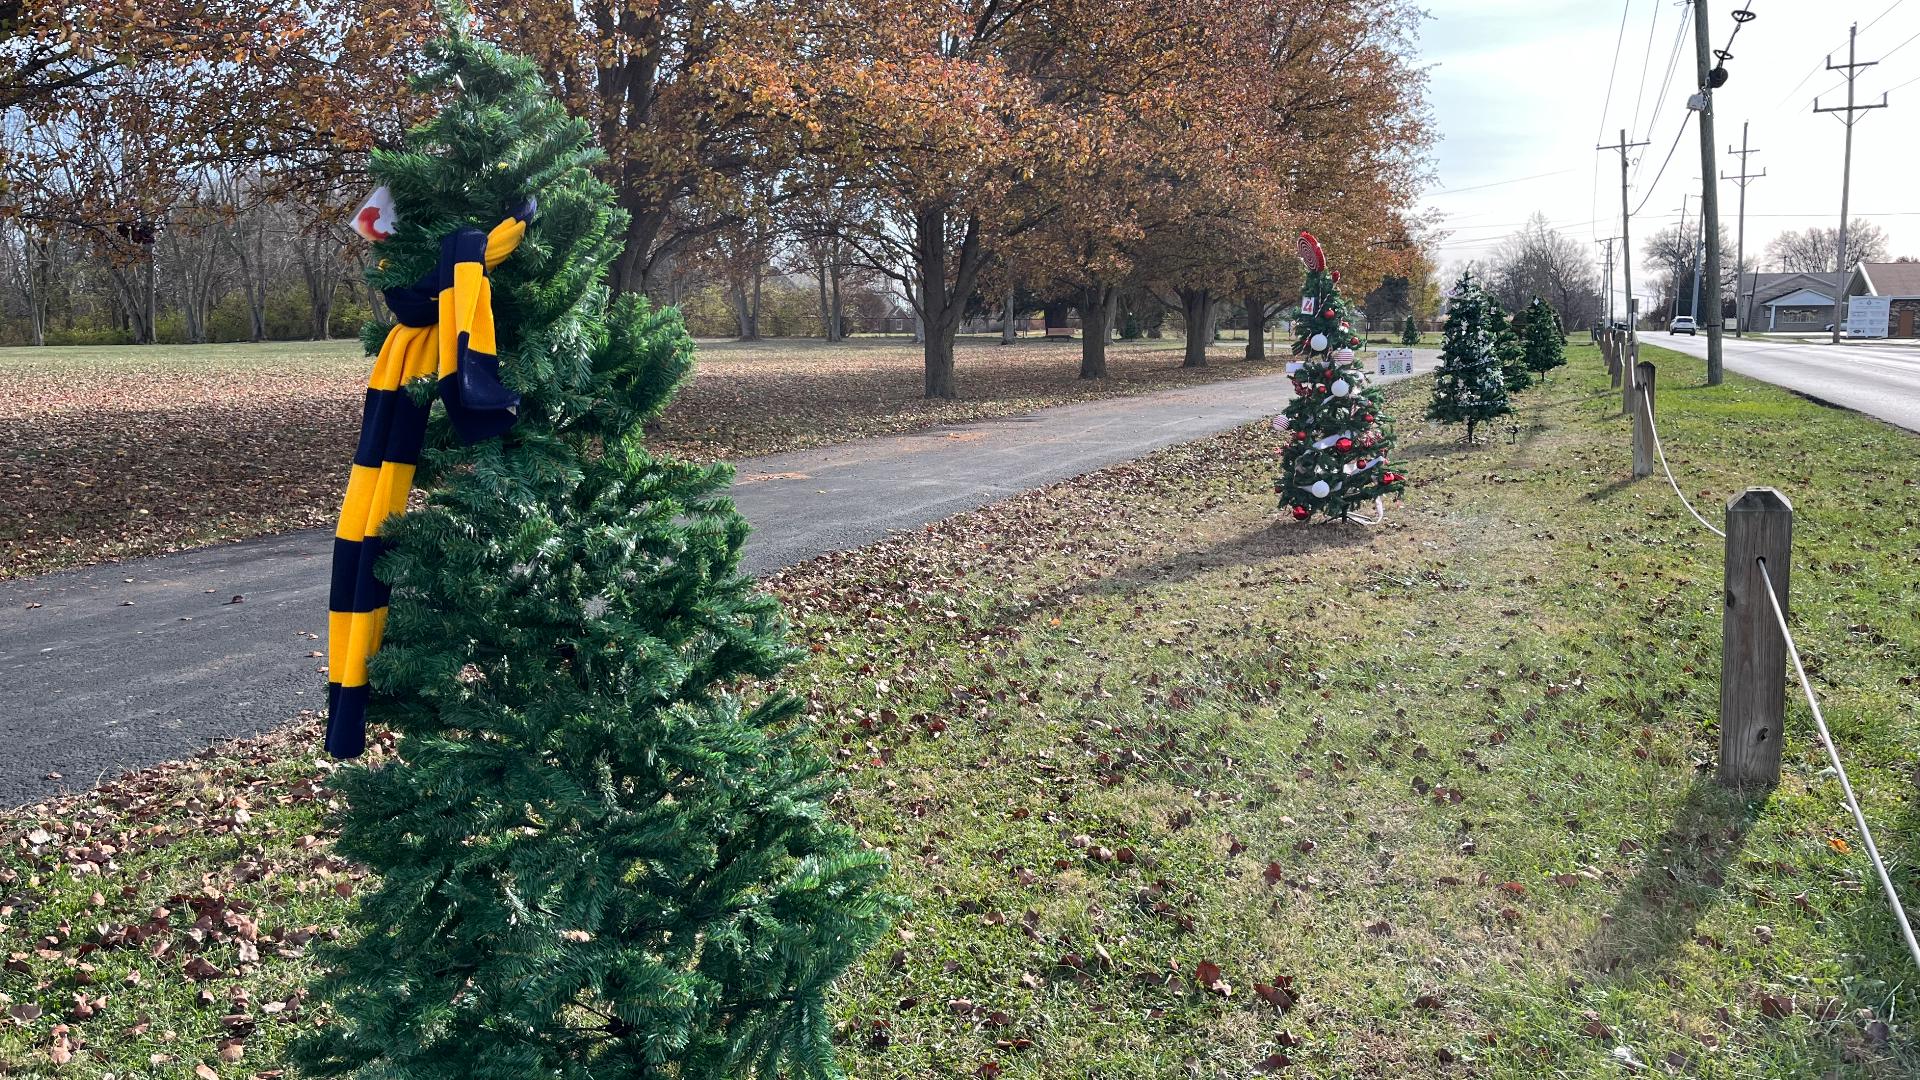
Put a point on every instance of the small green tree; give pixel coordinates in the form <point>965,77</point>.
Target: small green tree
<point>1510,348</point>
<point>1542,337</point>
<point>1410,333</point>
<point>599,852</point>
<point>1469,386</point>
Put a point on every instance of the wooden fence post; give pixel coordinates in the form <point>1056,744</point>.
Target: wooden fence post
<point>1753,654</point>
<point>1626,381</point>
<point>1613,356</point>
<point>1643,420</point>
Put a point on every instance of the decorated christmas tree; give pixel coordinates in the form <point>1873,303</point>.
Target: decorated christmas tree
<point>1338,436</point>
<point>1410,333</point>
<point>600,837</point>
<point>1510,348</point>
<point>1469,386</point>
<point>1542,336</point>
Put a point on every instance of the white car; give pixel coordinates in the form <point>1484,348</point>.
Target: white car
<point>1682,324</point>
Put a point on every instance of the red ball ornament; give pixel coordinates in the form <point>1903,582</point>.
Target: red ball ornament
<point>1343,445</point>
<point>1390,478</point>
<point>1299,436</point>
<point>1301,513</point>
<point>1336,277</point>
<point>1326,313</point>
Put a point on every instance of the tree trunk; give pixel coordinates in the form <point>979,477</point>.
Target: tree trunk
<point>1256,327</point>
<point>39,277</point>
<point>942,303</point>
<point>826,307</point>
<point>1008,335</point>
<point>838,308</point>
<point>1095,304</point>
<point>1196,306</point>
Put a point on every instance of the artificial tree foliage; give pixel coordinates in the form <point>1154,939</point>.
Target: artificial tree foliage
<point>1410,333</point>
<point>1337,430</point>
<point>1510,348</point>
<point>1469,386</point>
<point>1542,337</point>
<point>601,839</point>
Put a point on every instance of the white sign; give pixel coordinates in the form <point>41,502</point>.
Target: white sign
<point>1307,306</point>
<point>1867,315</point>
<point>1394,361</point>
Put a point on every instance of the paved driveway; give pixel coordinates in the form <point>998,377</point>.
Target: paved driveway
<point>128,664</point>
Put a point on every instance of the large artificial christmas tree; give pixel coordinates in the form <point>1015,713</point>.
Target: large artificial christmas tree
<point>1542,336</point>
<point>602,848</point>
<point>1338,435</point>
<point>1469,385</point>
<point>1510,348</point>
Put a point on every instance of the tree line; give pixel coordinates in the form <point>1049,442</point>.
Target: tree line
<point>184,168</point>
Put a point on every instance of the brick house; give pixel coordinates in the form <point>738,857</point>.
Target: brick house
<point>1900,284</point>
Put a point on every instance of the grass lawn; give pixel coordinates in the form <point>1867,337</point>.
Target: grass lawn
<point>1177,788</point>
<point>112,452</point>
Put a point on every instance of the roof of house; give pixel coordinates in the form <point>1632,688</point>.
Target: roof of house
<point>1800,298</point>
<point>1769,287</point>
<point>1892,279</point>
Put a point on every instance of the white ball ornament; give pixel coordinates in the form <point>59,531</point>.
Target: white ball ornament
<point>1319,489</point>
<point>1340,388</point>
<point>1318,343</point>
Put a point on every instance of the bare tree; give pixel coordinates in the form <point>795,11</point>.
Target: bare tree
<point>1813,250</point>
<point>1540,261</point>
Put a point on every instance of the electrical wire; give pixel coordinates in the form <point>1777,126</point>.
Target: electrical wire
<point>1684,120</point>
<point>1606,107</point>
<point>1672,62</point>
<point>1646,55</point>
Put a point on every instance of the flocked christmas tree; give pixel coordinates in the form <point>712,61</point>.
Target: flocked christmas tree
<point>1542,336</point>
<point>1510,348</point>
<point>1469,386</point>
<point>600,852</point>
<point>1338,435</point>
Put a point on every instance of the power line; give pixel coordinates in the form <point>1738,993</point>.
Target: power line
<point>1606,105</point>
<point>1501,183</point>
<point>1646,55</point>
<point>1663,165</point>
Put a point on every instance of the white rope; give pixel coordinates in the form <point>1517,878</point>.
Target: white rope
<point>1704,523</point>
<point>1833,755</point>
<point>1379,513</point>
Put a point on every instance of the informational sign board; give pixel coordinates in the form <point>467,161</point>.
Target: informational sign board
<point>1867,315</point>
<point>1393,362</point>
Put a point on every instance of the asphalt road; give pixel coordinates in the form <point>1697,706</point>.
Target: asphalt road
<point>1879,380</point>
<point>129,664</point>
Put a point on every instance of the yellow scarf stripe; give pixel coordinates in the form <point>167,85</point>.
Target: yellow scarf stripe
<point>446,332</point>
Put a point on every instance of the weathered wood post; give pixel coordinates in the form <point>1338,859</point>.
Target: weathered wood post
<point>1626,380</point>
<point>1614,347</point>
<point>1643,420</point>
<point>1753,654</point>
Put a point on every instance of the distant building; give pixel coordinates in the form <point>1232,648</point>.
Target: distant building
<point>1787,302</point>
<point>1900,284</point>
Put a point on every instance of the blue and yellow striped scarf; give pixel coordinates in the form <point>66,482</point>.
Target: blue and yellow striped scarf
<point>445,330</point>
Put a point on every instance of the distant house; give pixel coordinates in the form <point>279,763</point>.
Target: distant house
<point>1899,283</point>
<point>1788,302</point>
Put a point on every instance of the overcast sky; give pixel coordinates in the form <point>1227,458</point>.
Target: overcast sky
<point>1520,95</point>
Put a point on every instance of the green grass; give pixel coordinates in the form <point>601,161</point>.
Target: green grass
<point>1449,776</point>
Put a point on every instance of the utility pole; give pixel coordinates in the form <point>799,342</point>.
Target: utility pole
<point>1626,247</point>
<point>1740,312</point>
<point>1709,194</point>
<point>1694,311</point>
<point>1846,170</point>
<point>1607,277</point>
